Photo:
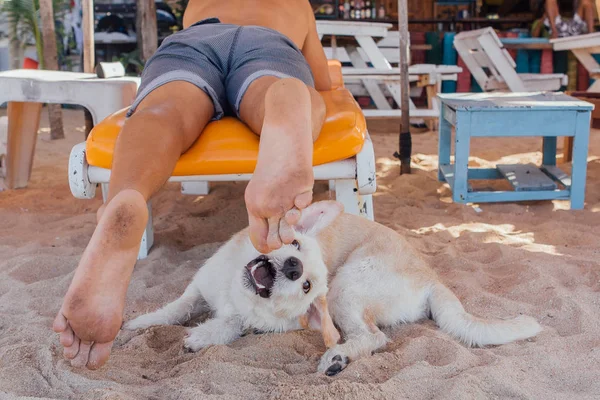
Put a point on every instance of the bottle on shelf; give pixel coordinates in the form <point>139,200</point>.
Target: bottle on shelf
<point>352,10</point>
<point>346,9</point>
<point>362,10</point>
<point>374,10</point>
<point>381,14</point>
<point>368,10</point>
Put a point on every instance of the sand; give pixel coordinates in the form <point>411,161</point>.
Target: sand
<point>536,258</point>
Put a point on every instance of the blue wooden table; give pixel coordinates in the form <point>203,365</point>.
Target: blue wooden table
<point>548,115</point>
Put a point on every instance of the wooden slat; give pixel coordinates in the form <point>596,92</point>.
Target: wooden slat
<point>557,174</point>
<point>526,177</point>
<point>448,172</point>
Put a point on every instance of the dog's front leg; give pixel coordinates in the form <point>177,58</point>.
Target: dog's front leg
<point>337,358</point>
<point>220,330</point>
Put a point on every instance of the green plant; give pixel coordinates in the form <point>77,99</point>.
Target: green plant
<point>24,22</point>
<point>131,61</point>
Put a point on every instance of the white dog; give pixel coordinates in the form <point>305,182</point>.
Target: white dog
<point>375,279</point>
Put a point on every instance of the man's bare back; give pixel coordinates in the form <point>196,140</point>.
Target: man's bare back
<point>289,17</point>
<point>292,18</point>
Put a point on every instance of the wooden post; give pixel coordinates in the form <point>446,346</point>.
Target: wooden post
<point>405,141</point>
<point>147,33</point>
<point>50,61</point>
<point>88,52</point>
<point>88,35</point>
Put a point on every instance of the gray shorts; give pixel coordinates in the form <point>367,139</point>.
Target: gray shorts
<point>222,60</point>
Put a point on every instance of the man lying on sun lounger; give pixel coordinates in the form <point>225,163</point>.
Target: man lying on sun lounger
<point>261,61</point>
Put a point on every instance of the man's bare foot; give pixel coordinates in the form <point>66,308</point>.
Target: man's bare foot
<point>92,311</point>
<point>280,188</point>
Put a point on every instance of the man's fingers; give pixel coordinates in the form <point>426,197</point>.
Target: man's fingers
<point>258,232</point>
<point>303,200</point>
<point>273,239</point>
<point>286,233</point>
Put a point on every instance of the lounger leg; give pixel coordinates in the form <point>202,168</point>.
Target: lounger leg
<point>368,206</point>
<point>332,185</point>
<point>346,192</point>
<point>104,187</point>
<point>195,188</point>
<point>23,124</point>
<point>148,237</point>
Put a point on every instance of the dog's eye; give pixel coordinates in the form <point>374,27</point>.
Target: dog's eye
<point>296,244</point>
<point>306,286</point>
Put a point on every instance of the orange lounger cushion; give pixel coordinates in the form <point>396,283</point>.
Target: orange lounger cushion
<point>229,147</point>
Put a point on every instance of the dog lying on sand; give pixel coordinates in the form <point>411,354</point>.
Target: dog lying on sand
<point>341,271</point>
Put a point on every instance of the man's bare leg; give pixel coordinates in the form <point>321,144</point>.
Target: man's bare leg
<point>288,116</point>
<point>586,12</point>
<point>552,12</point>
<point>165,124</point>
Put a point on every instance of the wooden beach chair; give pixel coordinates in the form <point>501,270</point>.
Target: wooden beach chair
<point>379,83</point>
<point>583,47</point>
<point>494,69</point>
<point>227,150</point>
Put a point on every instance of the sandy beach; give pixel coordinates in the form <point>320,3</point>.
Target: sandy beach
<point>535,258</point>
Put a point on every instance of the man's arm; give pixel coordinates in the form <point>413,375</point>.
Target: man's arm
<point>315,55</point>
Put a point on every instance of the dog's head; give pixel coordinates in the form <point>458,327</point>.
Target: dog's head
<point>293,279</point>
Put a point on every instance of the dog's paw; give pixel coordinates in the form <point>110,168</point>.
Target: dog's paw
<point>333,362</point>
<point>196,340</point>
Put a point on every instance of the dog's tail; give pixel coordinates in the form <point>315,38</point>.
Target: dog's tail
<point>451,317</point>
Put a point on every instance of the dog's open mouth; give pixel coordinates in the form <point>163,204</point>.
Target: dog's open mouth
<point>261,275</point>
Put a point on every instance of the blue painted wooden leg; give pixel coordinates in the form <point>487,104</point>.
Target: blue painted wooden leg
<point>549,151</point>
<point>444,143</point>
<point>461,161</point>
<point>580,153</point>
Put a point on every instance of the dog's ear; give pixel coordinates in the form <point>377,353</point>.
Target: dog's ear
<point>318,216</point>
<point>318,318</point>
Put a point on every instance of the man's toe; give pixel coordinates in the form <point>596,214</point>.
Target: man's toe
<point>258,233</point>
<point>60,323</point>
<point>83,355</point>
<point>273,239</point>
<point>303,200</point>
<point>286,233</point>
<point>66,337</point>
<point>71,351</point>
<point>99,355</point>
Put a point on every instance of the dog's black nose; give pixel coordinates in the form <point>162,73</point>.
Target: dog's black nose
<point>292,268</point>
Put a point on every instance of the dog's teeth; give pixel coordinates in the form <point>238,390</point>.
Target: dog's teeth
<point>258,285</point>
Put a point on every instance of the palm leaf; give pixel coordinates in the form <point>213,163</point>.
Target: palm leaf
<point>24,20</point>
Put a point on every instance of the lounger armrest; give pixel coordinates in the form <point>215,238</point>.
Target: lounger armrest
<point>335,73</point>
